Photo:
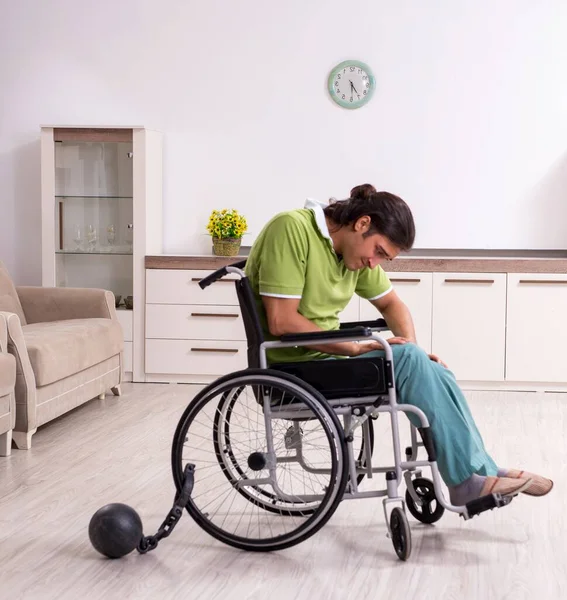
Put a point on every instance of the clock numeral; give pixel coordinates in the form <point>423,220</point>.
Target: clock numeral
<point>351,69</point>
<point>343,96</point>
<point>360,71</point>
<point>367,84</point>
<point>364,92</point>
<point>364,77</point>
<point>351,98</point>
<point>336,84</point>
<point>338,76</point>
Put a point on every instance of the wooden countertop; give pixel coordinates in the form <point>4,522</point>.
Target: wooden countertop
<point>402,264</point>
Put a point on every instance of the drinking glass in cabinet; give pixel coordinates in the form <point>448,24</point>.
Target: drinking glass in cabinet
<point>111,234</point>
<point>91,237</point>
<point>78,237</point>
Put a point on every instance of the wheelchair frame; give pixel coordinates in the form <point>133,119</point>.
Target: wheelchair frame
<point>356,413</point>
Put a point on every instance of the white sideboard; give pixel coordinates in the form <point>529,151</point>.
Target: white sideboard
<point>495,330</point>
<point>192,335</point>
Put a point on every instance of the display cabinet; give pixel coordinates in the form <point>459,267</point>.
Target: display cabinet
<point>101,214</point>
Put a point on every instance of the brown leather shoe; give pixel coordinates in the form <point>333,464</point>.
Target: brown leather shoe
<point>540,486</point>
<point>505,486</point>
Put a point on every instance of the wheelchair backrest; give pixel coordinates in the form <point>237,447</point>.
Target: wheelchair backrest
<point>252,327</point>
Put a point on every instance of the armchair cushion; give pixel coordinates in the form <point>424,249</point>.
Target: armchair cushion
<point>42,304</point>
<point>58,349</point>
<point>7,375</point>
<point>9,300</point>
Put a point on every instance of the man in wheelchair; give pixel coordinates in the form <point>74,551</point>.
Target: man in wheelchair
<point>304,268</point>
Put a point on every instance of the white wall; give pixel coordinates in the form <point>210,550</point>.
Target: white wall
<point>469,122</point>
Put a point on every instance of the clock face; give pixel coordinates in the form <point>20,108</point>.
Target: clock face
<point>351,84</point>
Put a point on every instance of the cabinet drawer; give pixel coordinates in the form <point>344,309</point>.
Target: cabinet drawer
<point>127,357</point>
<point>194,322</point>
<point>201,357</point>
<point>125,319</point>
<point>168,286</point>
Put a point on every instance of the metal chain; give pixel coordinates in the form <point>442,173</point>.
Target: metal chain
<point>148,543</point>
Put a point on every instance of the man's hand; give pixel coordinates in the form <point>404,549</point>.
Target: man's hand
<point>436,359</point>
<point>365,347</point>
<point>398,340</point>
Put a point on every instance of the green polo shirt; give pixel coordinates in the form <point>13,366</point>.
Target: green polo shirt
<point>293,257</point>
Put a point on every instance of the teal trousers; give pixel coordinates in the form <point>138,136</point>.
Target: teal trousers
<point>433,388</point>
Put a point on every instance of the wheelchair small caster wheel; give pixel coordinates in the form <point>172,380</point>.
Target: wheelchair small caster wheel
<point>401,534</point>
<point>430,511</point>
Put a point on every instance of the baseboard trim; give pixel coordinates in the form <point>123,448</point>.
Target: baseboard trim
<point>513,386</point>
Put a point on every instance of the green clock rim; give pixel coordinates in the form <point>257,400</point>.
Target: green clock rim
<point>339,67</point>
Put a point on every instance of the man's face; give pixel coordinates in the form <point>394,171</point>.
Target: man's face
<point>370,251</point>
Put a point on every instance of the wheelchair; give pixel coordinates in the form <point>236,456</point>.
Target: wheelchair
<point>275,448</point>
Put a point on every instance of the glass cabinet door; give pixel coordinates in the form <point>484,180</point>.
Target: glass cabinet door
<point>94,215</point>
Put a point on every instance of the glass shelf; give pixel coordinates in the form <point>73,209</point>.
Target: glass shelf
<point>98,252</point>
<point>70,196</point>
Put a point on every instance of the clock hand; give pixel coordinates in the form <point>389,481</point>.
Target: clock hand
<point>353,88</point>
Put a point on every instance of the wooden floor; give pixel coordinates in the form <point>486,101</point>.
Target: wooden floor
<point>118,450</point>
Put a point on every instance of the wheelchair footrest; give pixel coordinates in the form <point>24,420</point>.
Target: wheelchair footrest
<point>475,507</point>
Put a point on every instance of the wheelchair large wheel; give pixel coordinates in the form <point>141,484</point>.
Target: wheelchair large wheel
<point>251,462</point>
<point>296,436</point>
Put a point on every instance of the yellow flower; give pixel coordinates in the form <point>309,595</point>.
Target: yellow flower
<point>226,223</point>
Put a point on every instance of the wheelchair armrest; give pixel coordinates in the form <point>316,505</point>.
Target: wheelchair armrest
<point>377,324</point>
<point>325,336</point>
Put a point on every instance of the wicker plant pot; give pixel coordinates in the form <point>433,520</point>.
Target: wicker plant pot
<point>226,246</point>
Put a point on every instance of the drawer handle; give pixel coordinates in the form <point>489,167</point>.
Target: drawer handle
<point>394,280</point>
<point>229,350</point>
<point>217,281</point>
<point>544,281</point>
<point>229,316</point>
<point>469,280</point>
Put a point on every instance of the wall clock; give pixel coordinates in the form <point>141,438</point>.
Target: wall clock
<point>351,84</point>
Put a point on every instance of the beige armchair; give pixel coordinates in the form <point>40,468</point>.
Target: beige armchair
<point>68,347</point>
<point>7,383</point>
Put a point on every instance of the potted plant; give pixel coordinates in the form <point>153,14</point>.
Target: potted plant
<point>226,227</point>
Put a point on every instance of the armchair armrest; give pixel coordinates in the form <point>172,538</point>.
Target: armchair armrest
<point>3,333</point>
<point>44,304</point>
<point>26,398</point>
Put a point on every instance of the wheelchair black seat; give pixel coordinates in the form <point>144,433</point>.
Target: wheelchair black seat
<point>338,378</point>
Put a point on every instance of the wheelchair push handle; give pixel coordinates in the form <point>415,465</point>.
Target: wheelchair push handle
<point>220,273</point>
<point>209,279</point>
